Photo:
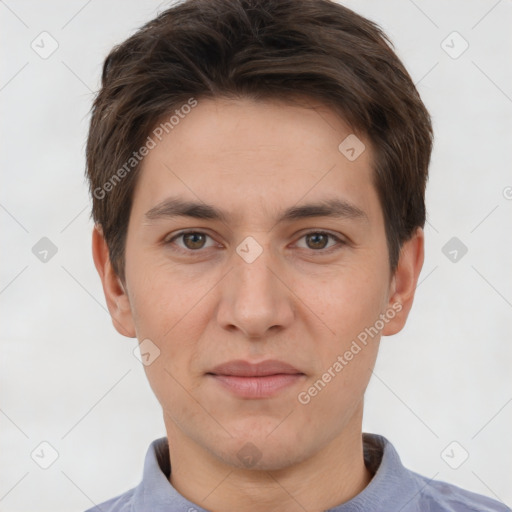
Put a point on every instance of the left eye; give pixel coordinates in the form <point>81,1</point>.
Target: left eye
<point>195,240</point>
<point>317,240</point>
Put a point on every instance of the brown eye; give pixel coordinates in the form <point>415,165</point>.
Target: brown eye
<point>317,240</point>
<point>190,242</point>
<point>321,242</point>
<point>193,240</point>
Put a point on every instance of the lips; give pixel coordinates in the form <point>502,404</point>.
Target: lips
<point>250,381</point>
<point>240,368</point>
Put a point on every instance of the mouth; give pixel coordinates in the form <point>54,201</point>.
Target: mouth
<point>261,380</point>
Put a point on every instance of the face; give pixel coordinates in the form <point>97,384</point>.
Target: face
<point>256,273</point>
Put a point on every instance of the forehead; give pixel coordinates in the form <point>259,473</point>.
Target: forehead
<point>240,153</point>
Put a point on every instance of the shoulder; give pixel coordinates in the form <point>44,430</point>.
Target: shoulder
<point>154,485</point>
<point>120,503</point>
<point>437,496</point>
<point>395,487</point>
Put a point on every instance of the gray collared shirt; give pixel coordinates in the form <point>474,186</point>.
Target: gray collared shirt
<point>393,488</point>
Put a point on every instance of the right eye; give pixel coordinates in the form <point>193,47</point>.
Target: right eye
<point>192,241</point>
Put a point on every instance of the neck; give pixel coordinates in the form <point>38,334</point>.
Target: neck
<point>328,478</point>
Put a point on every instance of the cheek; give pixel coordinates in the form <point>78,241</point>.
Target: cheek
<point>349,305</point>
<point>346,303</point>
<point>165,298</point>
<point>171,309</point>
<point>342,376</point>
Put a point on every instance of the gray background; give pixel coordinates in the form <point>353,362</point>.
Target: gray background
<point>68,378</point>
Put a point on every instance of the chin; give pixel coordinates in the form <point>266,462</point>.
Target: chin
<point>262,452</point>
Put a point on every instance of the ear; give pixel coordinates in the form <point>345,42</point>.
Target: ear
<point>115,292</point>
<point>404,282</point>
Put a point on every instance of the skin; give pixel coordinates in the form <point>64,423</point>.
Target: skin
<point>297,302</point>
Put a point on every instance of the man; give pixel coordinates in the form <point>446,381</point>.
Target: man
<point>258,172</point>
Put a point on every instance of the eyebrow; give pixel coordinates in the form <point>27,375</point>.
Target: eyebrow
<point>176,207</point>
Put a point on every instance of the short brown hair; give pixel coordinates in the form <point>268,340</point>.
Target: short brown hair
<point>259,49</point>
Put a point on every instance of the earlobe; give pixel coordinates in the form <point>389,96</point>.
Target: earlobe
<point>116,295</point>
<point>404,282</point>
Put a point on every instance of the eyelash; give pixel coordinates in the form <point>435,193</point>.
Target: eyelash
<point>198,251</point>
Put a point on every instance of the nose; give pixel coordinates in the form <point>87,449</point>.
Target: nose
<point>255,297</point>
